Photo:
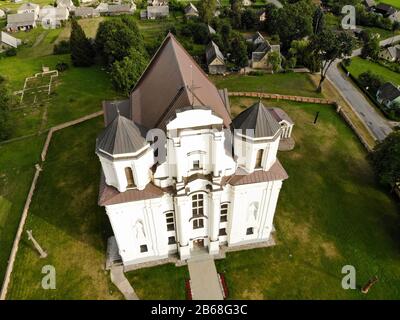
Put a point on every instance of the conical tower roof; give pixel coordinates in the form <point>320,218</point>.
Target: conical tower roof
<point>121,136</point>
<point>258,118</point>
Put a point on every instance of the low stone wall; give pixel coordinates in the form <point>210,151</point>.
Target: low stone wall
<point>281,97</point>
<point>25,212</point>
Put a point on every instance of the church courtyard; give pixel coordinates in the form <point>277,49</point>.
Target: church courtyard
<point>331,213</point>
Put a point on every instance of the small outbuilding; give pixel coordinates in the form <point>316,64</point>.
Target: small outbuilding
<point>215,59</point>
<point>191,11</point>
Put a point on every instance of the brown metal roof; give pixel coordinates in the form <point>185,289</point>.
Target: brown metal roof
<point>280,115</point>
<point>109,195</point>
<point>171,81</point>
<point>111,109</point>
<point>275,173</point>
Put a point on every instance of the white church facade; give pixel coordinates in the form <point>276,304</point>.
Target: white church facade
<point>205,182</point>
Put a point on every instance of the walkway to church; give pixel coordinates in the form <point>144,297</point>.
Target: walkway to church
<point>204,280</point>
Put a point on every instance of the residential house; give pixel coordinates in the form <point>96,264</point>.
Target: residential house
<point>86,12</point>
<point>53,17</point>
<point>246,3</point>
<point>391,54</point>
<point>215,59</point>
<point>21,21</point>
<point>66,4</point>
<point>395,17</point>
<point>2,14</point>
<point>256,39</point>
<point>211,30</point>
<point>202,195</point>
<point>369,4</point>
<point>388,95</point>
<point>118,9</point>
<point>155,12</point>
<point>262,15</point>
<point>155,3</point>
<point>385,9</point>
<point>7,41</point>
<point>102,8</point>
<point>29,8</point>
<point>191,11</point>
<point>261,53</point>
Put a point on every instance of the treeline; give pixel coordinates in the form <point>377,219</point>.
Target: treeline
<point>118,46</point>
<point>5,124</point>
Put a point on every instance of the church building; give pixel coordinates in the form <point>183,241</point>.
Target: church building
<point>179,175</point>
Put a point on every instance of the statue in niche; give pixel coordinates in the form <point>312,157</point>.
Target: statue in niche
<point>252,213</point>
<point>139,232</point>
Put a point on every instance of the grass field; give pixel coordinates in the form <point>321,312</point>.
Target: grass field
<point>394,3</point>
<point>17,162</point>
<point>165,282</point>
<point>67,221</point>
<point>331,213</point>
<point>342,217</point>
<point>281,83</point>
<point>359,65</point>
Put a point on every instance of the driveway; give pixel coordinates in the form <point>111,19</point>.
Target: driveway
<point>379,125</point>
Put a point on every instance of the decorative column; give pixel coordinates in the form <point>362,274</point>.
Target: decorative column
<point>271,201</point>
<point>214,221</point>
<point>183,227</point>
<point>217,151</point>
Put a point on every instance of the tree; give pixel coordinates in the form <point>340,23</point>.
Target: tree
<point>371,47</point>
<point>292,22</point>
<point>5,127</point>
<point>275,60</point>
<point>248,19</point>
<point>125,73</point>
<point>115,39</point>
<point>370,81</point>
<point>236,12</point>
<point>82,52</point>
<point>206,10</point>
<point>318,21</point>
<point>329,46</point>
<point>239,54</point>
<point>385,159</point>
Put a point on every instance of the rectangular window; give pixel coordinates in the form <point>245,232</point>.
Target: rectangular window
<point>259,158</point>
<point>143,248</point>
<point>196,164</point>
<point>197,205</point>
<point>171,240</point>
<point>170,221</point>
<point>198,223</point>
<point>249,231</point>
<point>222,232</point>
<point>224,212</point>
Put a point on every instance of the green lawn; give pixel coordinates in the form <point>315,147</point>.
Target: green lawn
<point>67,222</point>
<point>394,3</point>
<point>165,282</point>
<point>17,162</point>
<point>331,213</point>
<point>14,6</point>
<point>281,83</point>
<point>359,65</point>
<point>342,217</point>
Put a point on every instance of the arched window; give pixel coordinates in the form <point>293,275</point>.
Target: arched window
<point>198,211</point>
<point>259,158</point>
<point>129,177</point>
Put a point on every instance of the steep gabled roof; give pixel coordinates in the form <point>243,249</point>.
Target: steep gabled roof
<point>121,136</point>
<point>212,52</point>
<point>388,92</point>
<point>171,81</point>
<point>259,119</point>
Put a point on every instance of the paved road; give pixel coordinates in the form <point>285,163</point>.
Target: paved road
<point>379,126</point>
<point>204,280</point>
